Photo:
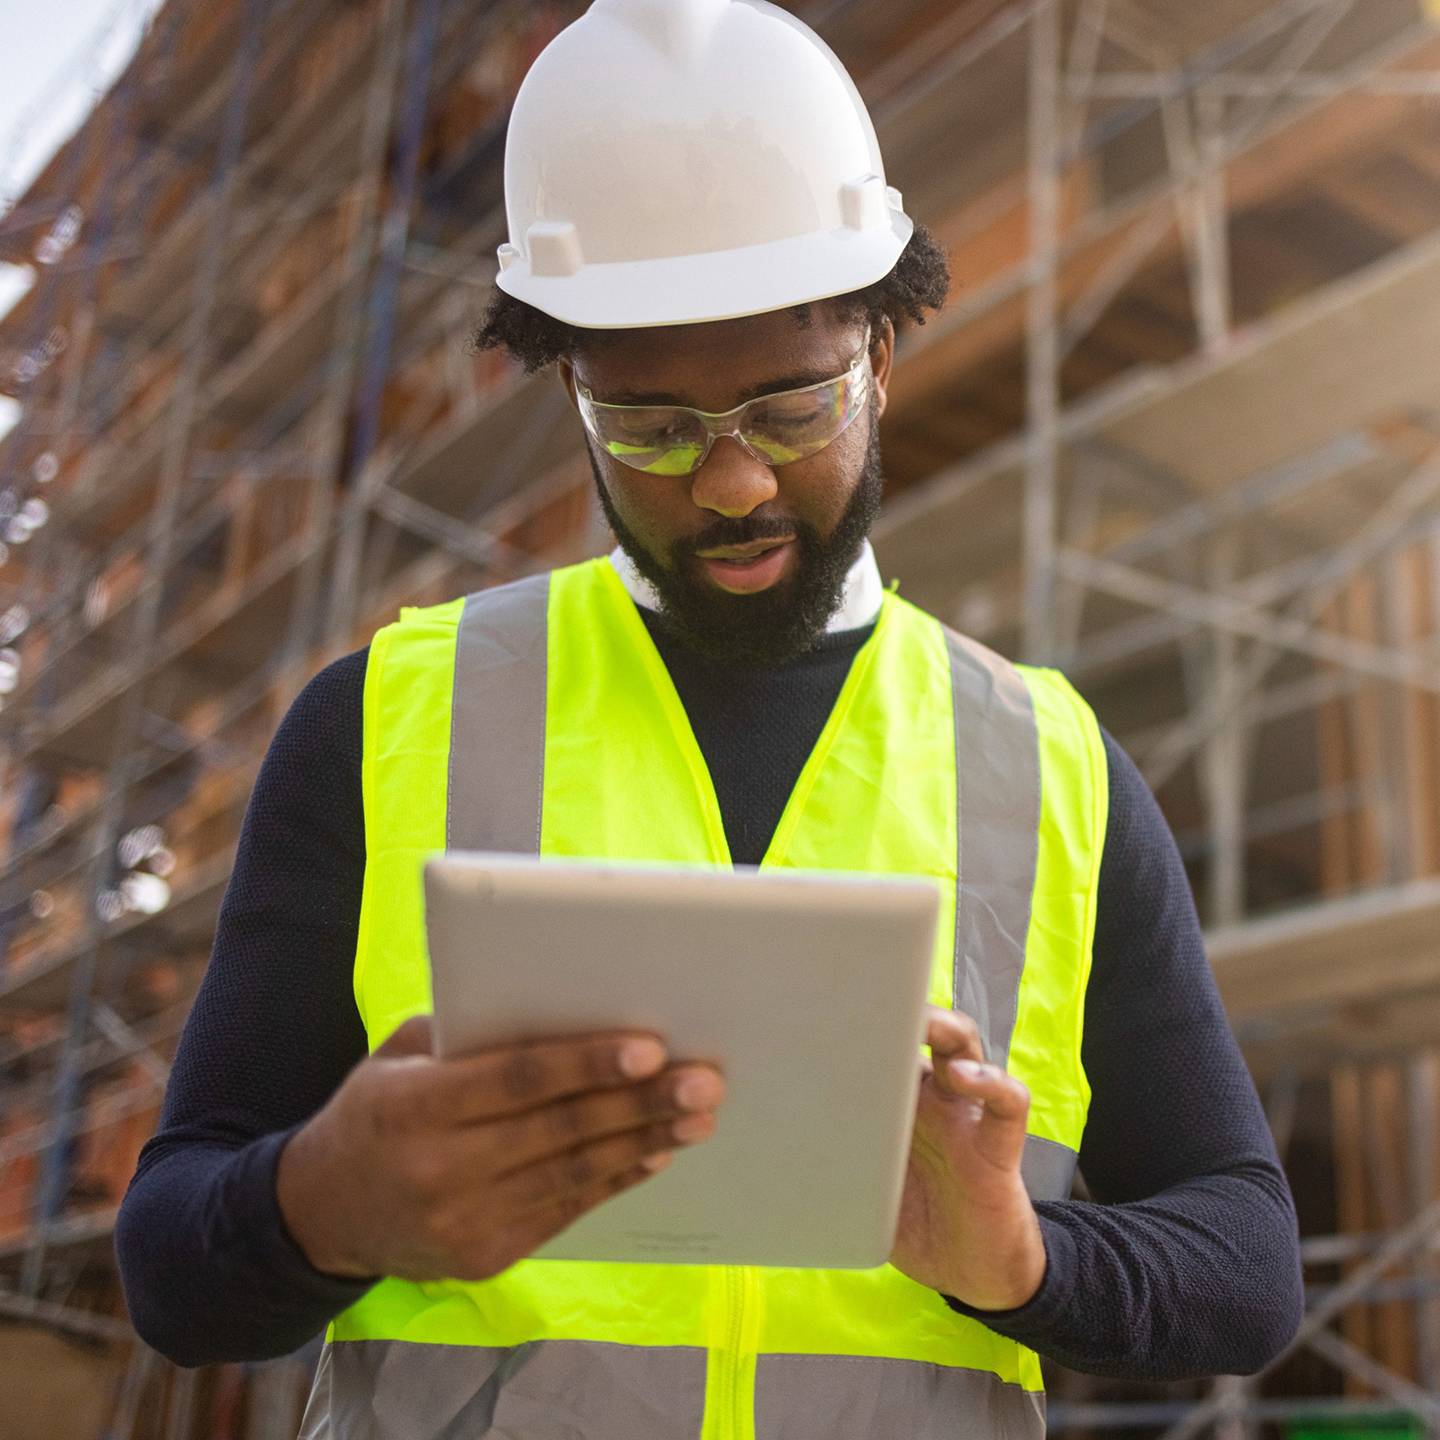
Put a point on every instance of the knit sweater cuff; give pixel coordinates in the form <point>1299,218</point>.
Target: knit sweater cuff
<point>1033,1320</point>
<point>274,1252</point>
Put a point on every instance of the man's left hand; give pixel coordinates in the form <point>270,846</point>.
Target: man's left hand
<point>967,1227</point>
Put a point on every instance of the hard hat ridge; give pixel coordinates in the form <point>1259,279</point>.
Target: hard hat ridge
<point>677,28</point>
<point>676,161</point>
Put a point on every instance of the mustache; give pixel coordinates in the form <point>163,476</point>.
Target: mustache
<point>740,530</point>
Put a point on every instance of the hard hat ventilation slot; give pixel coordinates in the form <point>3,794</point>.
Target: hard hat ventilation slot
<point>554,248</point>
<point>864,203</point>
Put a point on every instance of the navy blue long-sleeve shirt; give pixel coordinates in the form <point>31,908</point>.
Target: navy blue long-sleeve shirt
<point>1185,1262</point>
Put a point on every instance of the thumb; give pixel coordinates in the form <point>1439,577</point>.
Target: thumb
<point>411,1037</point>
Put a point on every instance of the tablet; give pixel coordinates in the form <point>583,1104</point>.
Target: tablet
<point>806,989</point>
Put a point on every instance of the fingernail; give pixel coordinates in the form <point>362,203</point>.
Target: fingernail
<point>968,1069</point>
<point>653,1163</point>
<point>692,1127</point>
<point>696,1089</point>
<point>641,1056</point>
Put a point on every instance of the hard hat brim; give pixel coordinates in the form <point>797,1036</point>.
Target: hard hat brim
<point>718,285</point>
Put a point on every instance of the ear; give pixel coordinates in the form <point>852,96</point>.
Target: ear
<point>882,357</point>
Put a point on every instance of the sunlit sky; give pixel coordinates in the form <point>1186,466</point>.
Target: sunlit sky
<point>56,56</point>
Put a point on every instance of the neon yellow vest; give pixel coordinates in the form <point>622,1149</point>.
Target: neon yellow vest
<point>540,717</point>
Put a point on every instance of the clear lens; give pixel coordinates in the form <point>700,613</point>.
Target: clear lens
<point>788,427</point>
<point>661,439</point>
<point>778,429</point>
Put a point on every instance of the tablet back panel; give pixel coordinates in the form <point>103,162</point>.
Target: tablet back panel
<point>807,990</point>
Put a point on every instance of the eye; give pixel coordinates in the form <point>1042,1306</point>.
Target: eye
<point>658,440</point>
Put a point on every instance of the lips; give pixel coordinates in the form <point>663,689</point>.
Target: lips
<point>746,569</point>
<point>750,550</point>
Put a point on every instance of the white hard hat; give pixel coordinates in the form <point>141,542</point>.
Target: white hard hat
<point>673,161</point>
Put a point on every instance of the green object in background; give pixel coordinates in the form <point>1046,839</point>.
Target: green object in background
<point>1402,1425</point>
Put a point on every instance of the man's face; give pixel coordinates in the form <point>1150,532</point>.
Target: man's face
<point>749,559</point>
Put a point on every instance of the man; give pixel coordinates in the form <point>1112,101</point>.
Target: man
<point>703,245</point>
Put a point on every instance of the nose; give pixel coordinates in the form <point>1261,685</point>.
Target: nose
<point>732,482</point>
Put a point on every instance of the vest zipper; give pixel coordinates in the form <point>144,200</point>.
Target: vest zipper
<point>730,1383</point>
<point>735,1284</point>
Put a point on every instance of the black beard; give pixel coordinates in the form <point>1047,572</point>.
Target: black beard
<point>773,625</point>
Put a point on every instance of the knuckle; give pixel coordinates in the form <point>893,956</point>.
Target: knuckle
<point>521,1074</point>
<point>396,1108</point>
<point>656,1098</point>
<point>970,1042</point>
<point>597,1063</point>
<point>578,1168</point>
<point>541,1184</point>
<point>505,1143</point>
<point>573,1206</point>
<point>421,1172</point>
<point>443,1231</point>
<point>568,1121</point>
<point>614,1184</point>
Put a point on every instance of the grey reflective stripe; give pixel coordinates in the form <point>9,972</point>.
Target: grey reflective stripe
<point>997,766</point>
<point>850,1397</point>
<point>1047,1167</point>
<point>544,1390</point>
<point>997,773</point>
<point>497,720</point>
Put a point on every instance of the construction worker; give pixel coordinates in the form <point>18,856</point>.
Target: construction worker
<point>703,245</point>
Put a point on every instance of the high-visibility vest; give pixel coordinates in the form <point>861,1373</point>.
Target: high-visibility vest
<point>539,717</point>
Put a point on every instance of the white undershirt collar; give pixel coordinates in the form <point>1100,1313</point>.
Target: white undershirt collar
<point>859,601</point>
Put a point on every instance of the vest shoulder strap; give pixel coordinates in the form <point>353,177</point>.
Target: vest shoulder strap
<point>497,726</point>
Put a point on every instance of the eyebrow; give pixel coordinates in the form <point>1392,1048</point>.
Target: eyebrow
<point>770,387</point>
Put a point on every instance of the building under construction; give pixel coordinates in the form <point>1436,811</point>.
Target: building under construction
<point>1177,433</point>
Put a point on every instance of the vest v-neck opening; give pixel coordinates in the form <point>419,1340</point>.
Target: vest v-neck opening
<point>754,829</point>
<point>775,851</point>
<point>676,718</point>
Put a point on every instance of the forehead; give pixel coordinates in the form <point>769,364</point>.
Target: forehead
<point>720,364</point>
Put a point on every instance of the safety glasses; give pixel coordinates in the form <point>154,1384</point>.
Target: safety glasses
<point>776,429</point>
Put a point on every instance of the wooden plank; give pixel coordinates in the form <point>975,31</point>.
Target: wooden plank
<point>1363,348</point>
<point>1353,354</point>
<point>51,1387</point>
<point>1347,951</point>
<point>1351,1208</point>
<point>1383,1140</point>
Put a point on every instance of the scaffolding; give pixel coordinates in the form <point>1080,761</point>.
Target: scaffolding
<point>1177,433</point>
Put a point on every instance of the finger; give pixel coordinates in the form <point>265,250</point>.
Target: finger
<point>549,1180</point>
<point>411,1037</point>
<point>511,1079</point>
<point>952,1034</point>
<point>580,1119</point>
<point>1003,1096</point>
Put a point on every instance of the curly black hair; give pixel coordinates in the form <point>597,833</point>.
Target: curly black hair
<point>918,282</point>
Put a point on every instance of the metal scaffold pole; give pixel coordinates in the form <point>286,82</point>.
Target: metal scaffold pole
<point>384,297</point>
<point>1042,351</point>
<point>326,434</point>
<point>124,757</point>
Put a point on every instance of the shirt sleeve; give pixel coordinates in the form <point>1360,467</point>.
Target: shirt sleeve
<point>1186,1262</point>
<point>273,1031</point>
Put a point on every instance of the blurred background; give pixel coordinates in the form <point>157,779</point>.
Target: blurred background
<point>1177,432</point>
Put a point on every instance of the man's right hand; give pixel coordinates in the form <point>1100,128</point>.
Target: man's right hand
<point>433,1169</point>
